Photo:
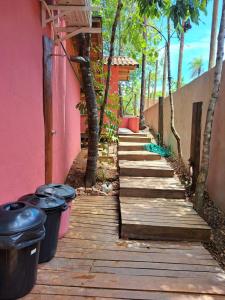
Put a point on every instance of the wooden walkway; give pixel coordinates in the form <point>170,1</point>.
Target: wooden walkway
<point>93,263</point>
<point>152,199</point>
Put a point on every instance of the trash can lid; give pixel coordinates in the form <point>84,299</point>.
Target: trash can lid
<point>19,217</point>
<point>44,201</point>
<point>58,190</point>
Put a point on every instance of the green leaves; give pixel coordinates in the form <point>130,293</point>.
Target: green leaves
<point>178,11</point>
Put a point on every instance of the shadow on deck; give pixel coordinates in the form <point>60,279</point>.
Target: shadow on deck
<point>93,263</point>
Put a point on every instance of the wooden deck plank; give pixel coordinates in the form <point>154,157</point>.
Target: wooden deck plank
<point>144,134</point>
<point>93,263</point>
<point>151,187</point>
<point>138,155</point>
<point>135,139</point>
<point>117,294</point>
<point>154,168</point>
<point>214,286</point>
<point>165,221</point>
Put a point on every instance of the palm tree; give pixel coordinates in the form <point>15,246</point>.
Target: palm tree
<point>156,78</point>
<point>212,54</point>
<point>196,67</point>
<point>202,178</point>
<point>92,109</point>
<point>143,81</point>
<point>180,62</point>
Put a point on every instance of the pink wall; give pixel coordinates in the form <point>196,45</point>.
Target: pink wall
<point>22,156</point>
<point>66,118</point>
<point>124,122</point>
<point>21,113</point>
<point>114,80</point>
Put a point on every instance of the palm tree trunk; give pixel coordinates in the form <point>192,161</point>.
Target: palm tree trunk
<point>164,75</point>
<point>180,63</point>
<point>111,53</point>
<point>201,182</point>
<point>92,109</point>
<point>143,81</point>
<point>156,79</point>
<point>212,53</point>
<point>172,126</point>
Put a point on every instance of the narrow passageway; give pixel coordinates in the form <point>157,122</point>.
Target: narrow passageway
<point>92,262</point>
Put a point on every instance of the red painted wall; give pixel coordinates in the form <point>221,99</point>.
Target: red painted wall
<point>21,113</point>
<point>131,123</point>
<point>21,94</point>
<point>66,118</point>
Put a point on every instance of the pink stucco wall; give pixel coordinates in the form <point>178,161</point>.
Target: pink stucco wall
<point>66,118</point>
<point>21,113</point>
<point>22,151</point>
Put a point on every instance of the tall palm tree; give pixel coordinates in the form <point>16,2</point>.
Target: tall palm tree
<point>143,81</point>
<point>156,78</point>
<point>164,74</point>
<point>180,62</point>
<point>196,67</point>
<point>202,178</point>
<point>212,54</point>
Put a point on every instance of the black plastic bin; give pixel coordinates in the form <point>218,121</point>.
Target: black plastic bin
<point>21,230</point>
<point>62,191</point>
<point>53,208</point>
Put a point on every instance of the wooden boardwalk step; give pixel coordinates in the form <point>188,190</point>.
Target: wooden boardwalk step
<point>151,187</point>
<point>134,139</point>
<point>138,155</point>
<point>144,134</point>
<point>156,168</point>
<point>131,146</point>
<point>171,219</point>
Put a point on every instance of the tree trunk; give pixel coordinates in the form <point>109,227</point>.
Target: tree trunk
<point>172,126</point>
<point>120,86</point>
<point>111,53</point>
<point>201,183</point>
<point>143,81</point>
<point>164,75</point>
<point>149,85</point>
<point>156,79</point>
<point>92,109</point>
<point>120,101</point>
<point>212,53</point>
<point>180,63</point>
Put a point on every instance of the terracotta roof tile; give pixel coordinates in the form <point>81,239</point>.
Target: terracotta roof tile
<point>121,61</point>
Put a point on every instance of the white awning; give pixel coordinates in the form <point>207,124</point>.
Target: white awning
<point>77,15</point>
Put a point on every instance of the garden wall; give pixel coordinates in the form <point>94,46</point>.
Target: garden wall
<point>198,90</point>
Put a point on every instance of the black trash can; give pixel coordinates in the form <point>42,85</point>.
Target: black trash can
<point>21,230</point>
<point>68,193</point>
<point>53,207</point>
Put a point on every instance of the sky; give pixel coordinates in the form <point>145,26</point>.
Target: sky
<point>197,43</point>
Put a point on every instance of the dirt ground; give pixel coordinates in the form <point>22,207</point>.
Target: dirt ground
<point>107,173</point>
